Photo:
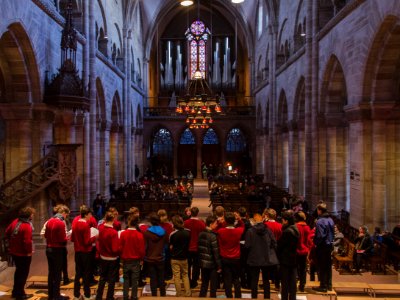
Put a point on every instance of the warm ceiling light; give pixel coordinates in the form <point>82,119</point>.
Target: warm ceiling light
<point>186,2</point>
<point>237,1</point>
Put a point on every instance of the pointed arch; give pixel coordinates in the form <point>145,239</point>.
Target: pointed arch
<point>100,100</point>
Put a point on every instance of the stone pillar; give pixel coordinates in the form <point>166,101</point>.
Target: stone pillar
<point>80,157</point>
<point>104,157</point>
<point>93,108</point>
<point>128,167</point>
<point>293,158</point>
<point>114,155</point>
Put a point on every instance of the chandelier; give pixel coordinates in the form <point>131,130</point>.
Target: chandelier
<point>198,103</point>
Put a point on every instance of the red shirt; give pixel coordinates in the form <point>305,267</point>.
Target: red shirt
<point>81,236</point>
<point>304,245</point>
<point>55,233</point>
<point>108,243</point>
<point>195,226</point>
<point>275,227</point>
<point>20,243</point>
<point>229,241</point>
<point>167,227</point>
<point>132,244</point>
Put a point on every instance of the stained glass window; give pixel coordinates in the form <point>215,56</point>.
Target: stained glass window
<point>236,141</point>
<point>162,143</point>
<point>197,34</point>
<point>187,137</point>
<point>210,138</point>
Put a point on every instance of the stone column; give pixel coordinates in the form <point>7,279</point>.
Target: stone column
<point>128,167</point>
<point>106,146</point>
<point>93,109</point>
<point>86,130</point>
<point>80,157</point>
<point>293,158</point>
<point>114,155</point>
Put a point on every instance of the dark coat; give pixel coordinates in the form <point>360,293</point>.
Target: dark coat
<point>261,245</point>
<point>208,250</point>
<point>287,245</point>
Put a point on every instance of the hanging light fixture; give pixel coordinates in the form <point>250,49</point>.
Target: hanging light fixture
<point>237,1</point>
<point>186,2</point>
<point>198,103</point>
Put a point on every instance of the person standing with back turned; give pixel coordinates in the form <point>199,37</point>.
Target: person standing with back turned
<point>323,240</point>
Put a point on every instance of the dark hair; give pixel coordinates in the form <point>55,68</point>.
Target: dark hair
<point>210,219</point>
<point>230,218</point>
<point>242,212</point>
<point>178,222</point>
<point>84,211</point>
<point>194,211</point>
<point>133,221</point>
<point>26,212</point>
<point>154,219</point>
<point>288,216</point>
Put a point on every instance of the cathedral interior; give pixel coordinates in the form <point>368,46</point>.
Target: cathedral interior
<point>304,93</point>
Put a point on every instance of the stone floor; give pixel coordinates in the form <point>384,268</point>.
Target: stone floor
<point>201,200</point>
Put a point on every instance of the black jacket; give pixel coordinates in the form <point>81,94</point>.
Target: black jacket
<point>261,245</point>
<point>209,250</point>
<point>287,245</point>
<point>179,244</point>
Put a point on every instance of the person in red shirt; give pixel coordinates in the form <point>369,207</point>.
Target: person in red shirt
<point>276,228</point>
<point>83,239</point>
<point>19,234</point>
<point>132,253</point>
<point>56,240</point>
<point>195,225</point>
<point>303,248</point>
<point>229,248</point>
<point>109,250</point>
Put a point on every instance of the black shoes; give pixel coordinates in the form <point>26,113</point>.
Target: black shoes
<point>320,289</point>
<point>24,297</point>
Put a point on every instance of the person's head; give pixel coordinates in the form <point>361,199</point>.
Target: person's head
<point>162,213</point>
<point>270,213</point>
<point>300,216</point>
<point>288,217</point>
<point>242,212</point>
<point>109,217</point>
<point>188,211</point>
<point>257,218</point>
<point>134,212</point>
<point>321,208</point>
<point>154,219</point>
<point>177,221</point>
<point>114,211</point>
<point>26,213</point>
<point>219,211</point>
<point>230,218</point>
<point>62,210</point>
<point>194,211</point>
<point>363,229</point>
<point>133,222</point>
<point>211,222</point>
<point>85,212</point>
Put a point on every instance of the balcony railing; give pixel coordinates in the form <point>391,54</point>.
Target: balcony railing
<point>227,111</point>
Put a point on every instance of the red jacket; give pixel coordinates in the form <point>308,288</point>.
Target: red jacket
<point>195,226</point>
<point>132,244</point>
<point>229,241</point>
<point>108,244</point>
<point>55,234</point>
<point>275,227</point>
<point>304,245</point>
<point>81,236</point>
<point>167,227</point>
<point>21,242</point>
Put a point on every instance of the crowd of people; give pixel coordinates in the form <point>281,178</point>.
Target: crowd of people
<point>227,248</point>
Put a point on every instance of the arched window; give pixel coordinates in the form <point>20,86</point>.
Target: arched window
<point>236,141</point>
<point>162,143</point>
<point>197,35</point>
<point>187,138</point>
<point>210,138</point>
<point>260,19</point>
